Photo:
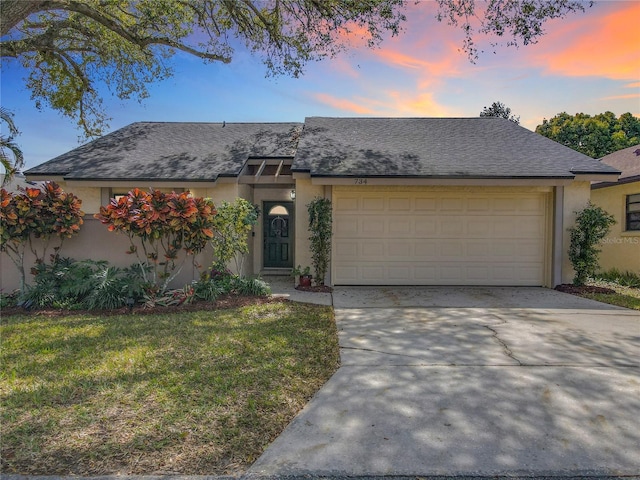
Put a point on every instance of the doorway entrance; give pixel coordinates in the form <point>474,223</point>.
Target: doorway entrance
<point>278,234</point>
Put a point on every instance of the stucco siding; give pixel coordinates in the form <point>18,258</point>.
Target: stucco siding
<point>576,198</point>
<point>95,242</point>
<point>620,248</point>
<point>305,193</point>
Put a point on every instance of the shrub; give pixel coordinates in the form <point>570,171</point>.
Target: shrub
<point>320,226</point>
<point>171,298</point>
<point>162,225</point>
<point>8,299</point>
<point>251,286</point>
<point>46,214</point>
<point>90,284</point>
<point>207,289</point>
<point>232,225</point>
<point>116,287</point>
<point>626,279</point>
<point>592,225</point>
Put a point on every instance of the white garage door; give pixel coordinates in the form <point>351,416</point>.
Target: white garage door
<point>438,236</point>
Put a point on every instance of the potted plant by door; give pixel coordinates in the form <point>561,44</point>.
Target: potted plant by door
<point>303,274</point>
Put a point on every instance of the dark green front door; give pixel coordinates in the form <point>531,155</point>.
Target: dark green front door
<point>278,234</point>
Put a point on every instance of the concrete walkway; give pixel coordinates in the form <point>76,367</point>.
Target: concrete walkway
<point>471,381</point>
<point>283,287</point>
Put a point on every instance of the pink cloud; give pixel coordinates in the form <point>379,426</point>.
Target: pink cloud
<point>343,104</point>
<point>606,45</point>
<point>389,103</point>
<point>622,97</point>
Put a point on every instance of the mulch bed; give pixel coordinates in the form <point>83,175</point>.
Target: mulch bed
<point>226,301</point>
<point>580,290</point>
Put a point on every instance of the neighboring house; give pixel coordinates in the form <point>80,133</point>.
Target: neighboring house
<point>416,201</point>
<point>16,183</point>
<point>621,248</point>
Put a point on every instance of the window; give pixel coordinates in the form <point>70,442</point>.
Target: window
<point>633,212</point>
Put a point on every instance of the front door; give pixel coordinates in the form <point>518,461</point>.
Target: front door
<point>278,234</point>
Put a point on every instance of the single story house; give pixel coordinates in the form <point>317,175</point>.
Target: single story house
<point>416,201</point>
<point>621,248</point>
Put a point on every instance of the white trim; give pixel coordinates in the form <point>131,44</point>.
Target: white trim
<point>128,184</point>
<point>507,182</point>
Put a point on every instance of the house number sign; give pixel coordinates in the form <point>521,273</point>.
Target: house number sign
<point>360,181</point>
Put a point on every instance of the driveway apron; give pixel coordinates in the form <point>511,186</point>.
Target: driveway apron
<point>471,381</point>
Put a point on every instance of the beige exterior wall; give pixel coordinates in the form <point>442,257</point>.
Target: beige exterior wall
<point>91,198</point>
<point>96,243</point>
<point>305,193</point>
<point>620,249</point>
<point>222,191</point>
<point>576,198</point>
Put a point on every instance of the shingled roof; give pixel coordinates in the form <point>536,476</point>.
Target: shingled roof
<point>483,147</point>
<point>627,161</point>
<point>174,151</point>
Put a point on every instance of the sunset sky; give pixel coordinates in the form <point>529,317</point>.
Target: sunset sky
<point>586,63</point>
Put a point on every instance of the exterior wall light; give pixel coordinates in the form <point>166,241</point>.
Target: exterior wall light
<point>292,194</point>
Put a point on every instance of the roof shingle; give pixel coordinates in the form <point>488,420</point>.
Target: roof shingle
<point>174,151</point>
<point>483,147</point>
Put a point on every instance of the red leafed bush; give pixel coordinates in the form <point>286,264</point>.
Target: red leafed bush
<point>46,213</point>
<point>162,225</point>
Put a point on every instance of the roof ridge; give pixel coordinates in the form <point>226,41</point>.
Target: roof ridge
<point>163,122</point>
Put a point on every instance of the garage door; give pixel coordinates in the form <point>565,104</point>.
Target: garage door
<point>431,236</point>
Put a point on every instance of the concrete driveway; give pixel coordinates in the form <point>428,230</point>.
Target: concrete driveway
<point>471,381</point>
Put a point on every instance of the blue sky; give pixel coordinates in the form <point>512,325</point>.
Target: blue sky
<point>586,63</point>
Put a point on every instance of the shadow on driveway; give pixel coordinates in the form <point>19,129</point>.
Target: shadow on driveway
<point>450,381</point>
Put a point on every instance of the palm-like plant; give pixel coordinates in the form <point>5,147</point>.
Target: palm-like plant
<point>10,154</point>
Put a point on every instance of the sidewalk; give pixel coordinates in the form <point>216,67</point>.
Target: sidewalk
<point>283,287</point>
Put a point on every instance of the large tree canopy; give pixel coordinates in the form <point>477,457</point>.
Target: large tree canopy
<point>595,136</point>
<point>70,47</point>
<point>73,48</point>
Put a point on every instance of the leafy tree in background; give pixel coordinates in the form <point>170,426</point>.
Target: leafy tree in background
<point>595,136</point>
<point>11,162</point>
<point>499,109</point>
<point>71,48</point>
<point>516,21</point>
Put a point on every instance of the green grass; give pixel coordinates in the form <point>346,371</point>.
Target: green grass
<point>615,299</point>
<point>624,296</point>
<point>190,393</point>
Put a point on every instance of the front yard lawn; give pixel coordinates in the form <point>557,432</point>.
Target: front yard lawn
<point>628,297</point>
<point>606,292</point>
<point>187,392</point>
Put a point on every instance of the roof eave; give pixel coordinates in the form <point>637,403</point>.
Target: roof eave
<point>621,181</point>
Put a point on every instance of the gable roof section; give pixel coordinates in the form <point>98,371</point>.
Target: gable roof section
<point>627,161</point>
<point>174,151</point>
<point>482,147</point>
